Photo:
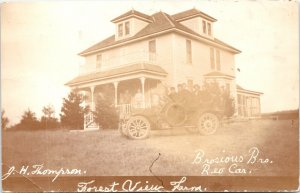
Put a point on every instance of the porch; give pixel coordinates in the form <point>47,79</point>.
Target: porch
<point>134,86</point>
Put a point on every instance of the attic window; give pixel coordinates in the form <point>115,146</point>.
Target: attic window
<point>120,30</point>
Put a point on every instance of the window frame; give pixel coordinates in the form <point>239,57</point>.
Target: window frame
<point>120,29</point>
<point>218,59</point>
<point>189,51</point>
<point>204,30</point>
<point>209,28</point>
<point>127,28</point>
<point>99,60</point>
<point>215,59</point>
<point>152,49</point>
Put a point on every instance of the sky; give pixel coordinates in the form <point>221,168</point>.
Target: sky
<point>40,42</point>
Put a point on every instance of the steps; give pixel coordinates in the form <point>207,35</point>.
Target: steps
<point>89,123</point>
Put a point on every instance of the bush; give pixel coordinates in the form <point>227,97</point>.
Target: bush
<point>106,115</point>
<point>28,121</point>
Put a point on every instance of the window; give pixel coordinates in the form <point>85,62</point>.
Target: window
<point>188,52</point>
<point>215,62</point>
<point>120,30</point>
<point>209,29</point>
<point>98,61</point>
<point>204,26</point>
<point>127,28</point>
<point>218,60</point>
<point>212,58</point>
<point>152,50</point>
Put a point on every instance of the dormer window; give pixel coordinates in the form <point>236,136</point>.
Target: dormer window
<point>127,28</point>
<point>124,29</point>
<point>204,26</point>
<point>209,29</point>
<point>130,23</point>
<point>120,30</point>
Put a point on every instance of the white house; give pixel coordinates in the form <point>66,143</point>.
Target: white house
<point>147,50</point>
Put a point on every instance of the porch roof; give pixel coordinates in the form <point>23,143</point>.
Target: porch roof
<point>242,90</point>
<point>119,72</point>
<point>217,74</point>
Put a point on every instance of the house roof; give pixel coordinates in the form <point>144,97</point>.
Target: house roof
<point>130,69</point>
<point>191,13</point>
<point>218,74</point>
<point>132,13</point>
<point>162,22</point>
<point>241,89</point>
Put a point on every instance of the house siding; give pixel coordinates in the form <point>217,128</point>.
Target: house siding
<point>194,24</point>
<point>200,60</point>
<point>137,25</point>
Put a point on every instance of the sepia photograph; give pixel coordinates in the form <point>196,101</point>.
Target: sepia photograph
<point>153,96</point>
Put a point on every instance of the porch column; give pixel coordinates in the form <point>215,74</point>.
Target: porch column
<point>92,97</point>
<point>116,92</point>
<point>142,79</point>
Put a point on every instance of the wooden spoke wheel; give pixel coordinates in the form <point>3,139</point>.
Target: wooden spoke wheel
<point>208,124</point>
<point>138,127</point>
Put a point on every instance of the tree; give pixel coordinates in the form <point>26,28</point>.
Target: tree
<point>4,120</point>
<point>28,121</point>
<point>48,111</point>
<point>72,113</point>
<point>48,121</point>
<point>106,115</point>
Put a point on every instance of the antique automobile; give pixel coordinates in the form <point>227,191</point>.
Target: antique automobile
<point>202,117</point>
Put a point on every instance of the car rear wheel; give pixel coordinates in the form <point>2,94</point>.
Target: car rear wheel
<point>208,123</point>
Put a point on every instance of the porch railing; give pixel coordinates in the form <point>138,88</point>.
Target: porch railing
<point>126,109</point>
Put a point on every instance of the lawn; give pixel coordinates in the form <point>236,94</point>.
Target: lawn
<point>107,153</point>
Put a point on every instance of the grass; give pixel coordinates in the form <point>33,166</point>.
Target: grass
<point>107,153</point>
